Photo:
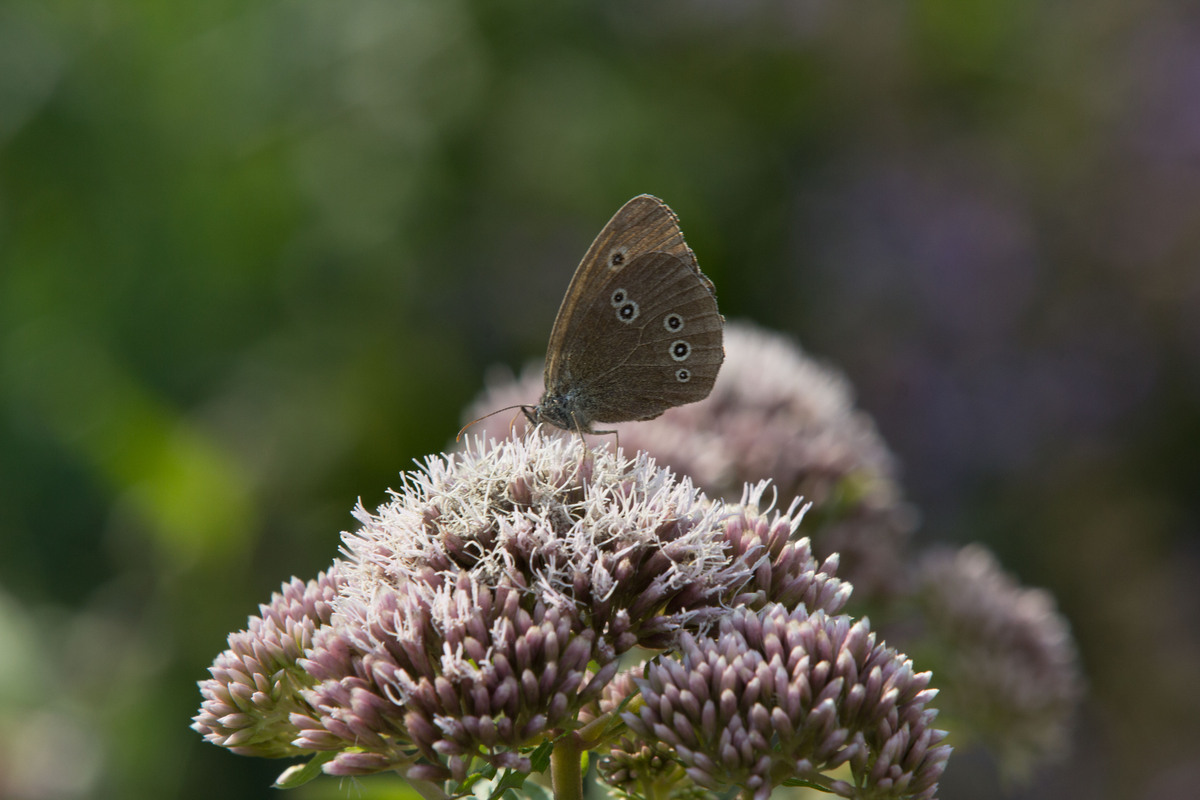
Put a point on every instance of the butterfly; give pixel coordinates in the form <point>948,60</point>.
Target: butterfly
<point>638,331</point>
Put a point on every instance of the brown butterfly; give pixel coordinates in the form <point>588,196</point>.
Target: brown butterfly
<point>638,330</point>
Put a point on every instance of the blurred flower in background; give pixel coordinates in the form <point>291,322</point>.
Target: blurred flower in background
<point>254,258</point>
<point>1002,652</point>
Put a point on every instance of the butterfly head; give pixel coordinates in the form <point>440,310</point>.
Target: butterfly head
<point>562,410</point>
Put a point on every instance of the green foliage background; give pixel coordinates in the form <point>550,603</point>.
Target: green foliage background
<point>256,256</point>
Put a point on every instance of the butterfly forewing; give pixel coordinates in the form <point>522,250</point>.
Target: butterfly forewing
<point>670,364</point>
<point>638,331</point>
<point>667,355</point>
<point>645,224</point>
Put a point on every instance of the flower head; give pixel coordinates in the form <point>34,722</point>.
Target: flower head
<point>256,683</point>
<point>1003,654</point>
<point>481,610</point>
<point>779,696</point>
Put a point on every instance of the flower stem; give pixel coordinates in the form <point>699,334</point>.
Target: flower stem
<point>566,773</point>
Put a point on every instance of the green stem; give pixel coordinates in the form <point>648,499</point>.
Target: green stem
<point>566,773</point>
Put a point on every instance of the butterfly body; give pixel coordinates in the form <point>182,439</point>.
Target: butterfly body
<point>638,331</point>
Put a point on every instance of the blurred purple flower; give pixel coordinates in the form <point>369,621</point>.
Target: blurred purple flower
<point>1004,657</point>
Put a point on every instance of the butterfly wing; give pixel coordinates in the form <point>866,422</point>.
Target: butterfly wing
<point>645,224</point>
<point>651,338</point>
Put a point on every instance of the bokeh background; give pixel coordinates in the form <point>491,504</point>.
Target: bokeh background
<point>255,257</point>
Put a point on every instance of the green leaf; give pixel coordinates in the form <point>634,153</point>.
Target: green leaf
<point>513,780</point>
<point>807,785</point>
<point>532,791</point>
<point>300,774</point>
<point>539,759</point>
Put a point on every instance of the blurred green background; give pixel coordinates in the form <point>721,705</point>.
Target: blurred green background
<point>256,256</point>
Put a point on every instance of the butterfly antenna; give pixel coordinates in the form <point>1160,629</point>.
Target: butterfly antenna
<point>485,416</point>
